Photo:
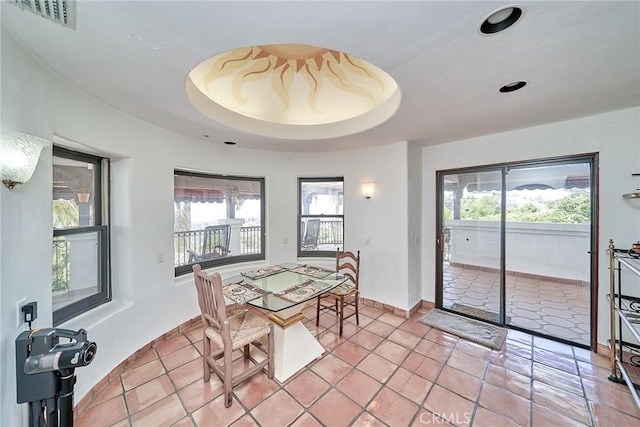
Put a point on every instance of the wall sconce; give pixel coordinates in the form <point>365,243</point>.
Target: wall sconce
<point>19,154</point>
<point>367,189</point>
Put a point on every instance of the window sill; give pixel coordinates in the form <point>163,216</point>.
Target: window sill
<point>94,317</point>
<point>224,270</point>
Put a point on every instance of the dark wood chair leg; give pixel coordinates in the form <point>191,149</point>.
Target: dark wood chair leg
<point>341,313</point>
<point>318,313</point>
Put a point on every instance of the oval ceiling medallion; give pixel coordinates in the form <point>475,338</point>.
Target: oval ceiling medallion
<point>292,91</point>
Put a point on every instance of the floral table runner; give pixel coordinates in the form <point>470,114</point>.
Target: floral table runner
<point>263,272</point>
<point>304,290</point>
<point>312,270</point>
<point>243,291</point>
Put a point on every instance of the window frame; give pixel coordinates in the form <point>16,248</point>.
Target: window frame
<point>101,227</point>
<point>300,217</point>
<point>188,268</point>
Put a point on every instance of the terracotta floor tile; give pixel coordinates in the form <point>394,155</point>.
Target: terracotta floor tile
<point>605,416</point>
<point>142,374</point>
<point>180,357</point>
<point>188,373</point>
<point>511,362</point>
<point>467,363</point>
<point>245,421</point>
<point>331,368</point>
<point>509,380</point>
<point>279,410</point>
<point>459,382</point>
<point>439,352</point>
<point>370,311</point>
<point>472,349</point>
<point>404,338</point>
<point>611,395</point>
<point>195,334</point>
<point>429,369</point>
<point>109,392</point>
<point>442,338</point>
<point>306,420</point>
<point>162,413</point>
<point>380,328</point>
<point>172,344</point>
<point>415,327</point>
<point>367,339</point>
<point>255,390</point>
<point>351,353</point>
<point>148,393</point>
<point>307,387</point>
<point>445,403</point>
<point>561,401</point>
<point>392,408</point>
<point>359,386</point>
<point>505,403</point>
<point>518,348</point>
<point>368,420</point>
<point>330,340</point>
<point>392,351</point>
<point>377,367</point>
<point>486,418</point>
<point>215,414</point>
<point>409,385</point>
<point>199,393</point>
<point>391,319</point>
<point>105,414</point>
<point>436,382</point>
<point>335,409</point>
<point>557,378</point>
<point>143,359</point>
<point>558,361</point>
<point>543,416</point>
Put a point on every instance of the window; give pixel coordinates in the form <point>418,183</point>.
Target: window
<point>80,256</point>
<point>218,220</point>
<point>320,216</point>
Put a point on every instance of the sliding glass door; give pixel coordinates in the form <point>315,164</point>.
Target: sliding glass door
<point>516,246</point>
<point>471,261</point>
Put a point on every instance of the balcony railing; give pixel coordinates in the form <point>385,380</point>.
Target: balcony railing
<point>330,233</point>
<point>191,240</point>
<point>60,265</point>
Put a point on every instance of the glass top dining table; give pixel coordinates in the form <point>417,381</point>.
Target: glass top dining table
<point>288,286</point>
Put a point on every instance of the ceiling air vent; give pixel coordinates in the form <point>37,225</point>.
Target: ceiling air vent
<point>61,11</point>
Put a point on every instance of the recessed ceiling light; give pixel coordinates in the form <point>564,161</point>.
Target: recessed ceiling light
<point>230,143</point>
<point>510,87</point>
<point>501,19</point>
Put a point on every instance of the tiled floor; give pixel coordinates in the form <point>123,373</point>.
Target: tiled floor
<point>389,371</point>
<point>551,308</point>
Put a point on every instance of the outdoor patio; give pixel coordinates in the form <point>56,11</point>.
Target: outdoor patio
<point>540,305</point>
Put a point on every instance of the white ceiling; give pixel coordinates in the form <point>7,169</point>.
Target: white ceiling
<point>579,59</point>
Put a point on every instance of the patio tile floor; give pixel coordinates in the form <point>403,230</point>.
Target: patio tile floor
<point>552,308</point>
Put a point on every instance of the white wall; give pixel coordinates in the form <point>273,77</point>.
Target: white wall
<point>147,299</point>
<point>615,135</point>
<point>414,232</point>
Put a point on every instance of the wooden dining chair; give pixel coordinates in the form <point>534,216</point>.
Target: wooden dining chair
<point>229,333</point>
<point>345,295</point>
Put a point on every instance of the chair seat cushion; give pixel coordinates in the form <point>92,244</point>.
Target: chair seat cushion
<point>244,328</point>
<point>343,290</point>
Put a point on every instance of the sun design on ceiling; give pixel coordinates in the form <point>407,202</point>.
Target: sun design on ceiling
<point>292,84</point>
